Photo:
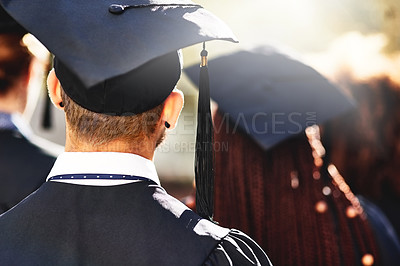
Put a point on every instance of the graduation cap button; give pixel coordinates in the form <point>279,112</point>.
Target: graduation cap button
<point>116,9</point>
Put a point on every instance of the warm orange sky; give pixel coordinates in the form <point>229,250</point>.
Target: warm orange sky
<point>306,25</point>
<point>364,34</point>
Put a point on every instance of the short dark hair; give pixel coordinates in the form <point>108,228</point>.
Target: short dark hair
<point>98,129</point>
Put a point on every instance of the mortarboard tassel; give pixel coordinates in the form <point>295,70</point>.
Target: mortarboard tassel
<point>204,168</point>
<point>46,122</point>
<point>47,116</point>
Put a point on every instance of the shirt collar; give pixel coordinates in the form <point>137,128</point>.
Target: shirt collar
<point>69,163</point>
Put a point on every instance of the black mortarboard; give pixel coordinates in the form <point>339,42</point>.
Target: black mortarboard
<point>271,96</point>
<point>103,45</point>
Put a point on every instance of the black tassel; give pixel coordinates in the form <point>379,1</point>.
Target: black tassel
<point>47,115</point>
<point>204,168</point>
<point>46,122</point>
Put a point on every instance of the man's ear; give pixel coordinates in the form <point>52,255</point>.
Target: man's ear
<point>54,87</point>
<point>172,108</point>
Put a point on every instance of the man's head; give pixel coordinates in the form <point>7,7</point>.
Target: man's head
<point>93,131</point>
<point>125,113</point>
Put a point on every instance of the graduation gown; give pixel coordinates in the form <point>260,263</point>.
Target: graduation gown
<point>130,224</point>
<point>23,168</point>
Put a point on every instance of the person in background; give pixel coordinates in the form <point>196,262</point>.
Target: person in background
<point>23,165</point>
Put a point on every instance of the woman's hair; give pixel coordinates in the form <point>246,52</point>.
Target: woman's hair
<point>98,129</point>
<point>15,59</point>
<point>277,197</point>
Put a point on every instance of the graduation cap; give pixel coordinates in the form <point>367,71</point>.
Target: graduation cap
<point>122,55</point>
<point>271,96</point>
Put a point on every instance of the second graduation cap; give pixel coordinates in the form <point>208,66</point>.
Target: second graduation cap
<point>121,54</point>
<point>271,96</point>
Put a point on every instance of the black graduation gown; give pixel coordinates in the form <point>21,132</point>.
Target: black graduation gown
<point>130,224</point>
<point>23,168</point>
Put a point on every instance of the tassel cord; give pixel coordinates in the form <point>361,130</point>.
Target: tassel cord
<point>204,168</point>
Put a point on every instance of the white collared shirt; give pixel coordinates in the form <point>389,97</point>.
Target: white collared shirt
<point>104,163</point>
